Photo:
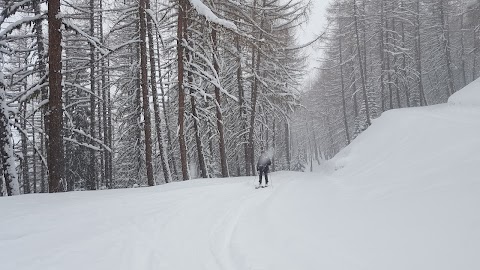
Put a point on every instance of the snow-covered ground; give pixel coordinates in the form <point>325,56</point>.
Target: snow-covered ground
<point>404,195</point>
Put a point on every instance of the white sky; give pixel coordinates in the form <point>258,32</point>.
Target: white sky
<point>314,27</point>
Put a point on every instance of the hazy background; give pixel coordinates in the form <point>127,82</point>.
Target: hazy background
<point>310,31</point>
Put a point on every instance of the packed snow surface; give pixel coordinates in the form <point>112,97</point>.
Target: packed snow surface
<point>404,195</point>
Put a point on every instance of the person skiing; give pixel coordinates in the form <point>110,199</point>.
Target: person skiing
<point>262,167</point>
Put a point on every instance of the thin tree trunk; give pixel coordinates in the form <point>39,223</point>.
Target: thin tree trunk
<point>287,144</point>
<point>446,47</point>
<point>344,106</point>
<point>44,92</point>
<point>474,54</point>
<point>462,52</point>
<point>34,156</point>
<point>198,140</point>
<point>105,107</point>
<point>221,139</point>
<point>251,143</point>
<point>353,81</point>
<point>156,108</point>
<point>418,49</point>
<point>382,55</point>
<point>144,85</point>
<point>390,90</point>
<point>55,152</point>
<point>404,62</point>
<point>181,91</point>
<point>172,159</point>
<point>256,71</point>
<point>25,173</point>
<point>274,145</point>
<point>241,105</point>
<point>362,75</point>
<point>92,177</point>
<point>7,157</point>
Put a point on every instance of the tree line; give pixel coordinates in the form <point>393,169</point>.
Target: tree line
<point>98,94</point>
<point>381,55</point>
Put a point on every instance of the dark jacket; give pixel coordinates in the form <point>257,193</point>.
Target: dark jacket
<point>263,163</point>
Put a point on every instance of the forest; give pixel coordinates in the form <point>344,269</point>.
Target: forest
<point>118,94</point>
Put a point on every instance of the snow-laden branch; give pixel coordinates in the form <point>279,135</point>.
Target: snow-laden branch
<point>92,40</point>
<point>81,132</point>
<point>30,92</point>
<point>203,10</point>
<point>18,24</point>
<point>11,9</point>
<point>89,146</point>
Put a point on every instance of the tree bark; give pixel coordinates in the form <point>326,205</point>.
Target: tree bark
<point>44,91</point>
<point>344,106</point>
<point>25,171</point>
<point>382,55</point>
<point>418,60</point>
<point>287,144</point>
<point>144,86</point>
<point>446,47</point>
<point>7,157</point>
<point>362,75</point>
<point>182,8</point>
<point>55,153</point>
<point>241,105</point>
<point>156,108</point>
<point>221,139</point>
<point>172,159</point>
<point>92,177</point>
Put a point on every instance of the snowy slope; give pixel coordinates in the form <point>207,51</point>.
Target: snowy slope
<point>404,195</point>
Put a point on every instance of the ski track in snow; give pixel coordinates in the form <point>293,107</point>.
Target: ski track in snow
<point>403,195</point>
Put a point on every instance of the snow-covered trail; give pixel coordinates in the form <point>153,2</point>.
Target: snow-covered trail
<point>403,195</point>
<point>188,225</point>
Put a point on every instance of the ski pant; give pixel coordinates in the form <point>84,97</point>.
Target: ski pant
<point>263,172</point>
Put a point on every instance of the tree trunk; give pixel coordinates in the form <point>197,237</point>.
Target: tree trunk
<point>34,156</point>
<point>6,145</point>
<point>362,75</point>
<point>382,55</point>
<point>344,106</point>
<point>172,159</point>
<point>55,153</point>
<point>44,91</point>
<point>198,140</point>
<point>223,155</point>
<point>446,47</point>
<point>274,145</point>
<point>404,62</point>
<point>287,144</point>
<point>92,178</point>
<point>25,173</point>
<point>462,52</point>
<point>156,108</point>
<point>241,105</point>
<point>418,49</point>
<point>144,85</point>
<point>181,91</point>
<point>105,107</point>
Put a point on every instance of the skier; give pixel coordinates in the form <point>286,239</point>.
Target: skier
<point>262,167</point>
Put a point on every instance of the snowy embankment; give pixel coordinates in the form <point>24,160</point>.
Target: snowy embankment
<point>404,195</point>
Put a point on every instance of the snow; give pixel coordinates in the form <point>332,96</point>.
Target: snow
<point>469,95</point>
<point>403,195</point>
<point>203,10</point>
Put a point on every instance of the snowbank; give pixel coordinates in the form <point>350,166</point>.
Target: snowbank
<point>469,95</point>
